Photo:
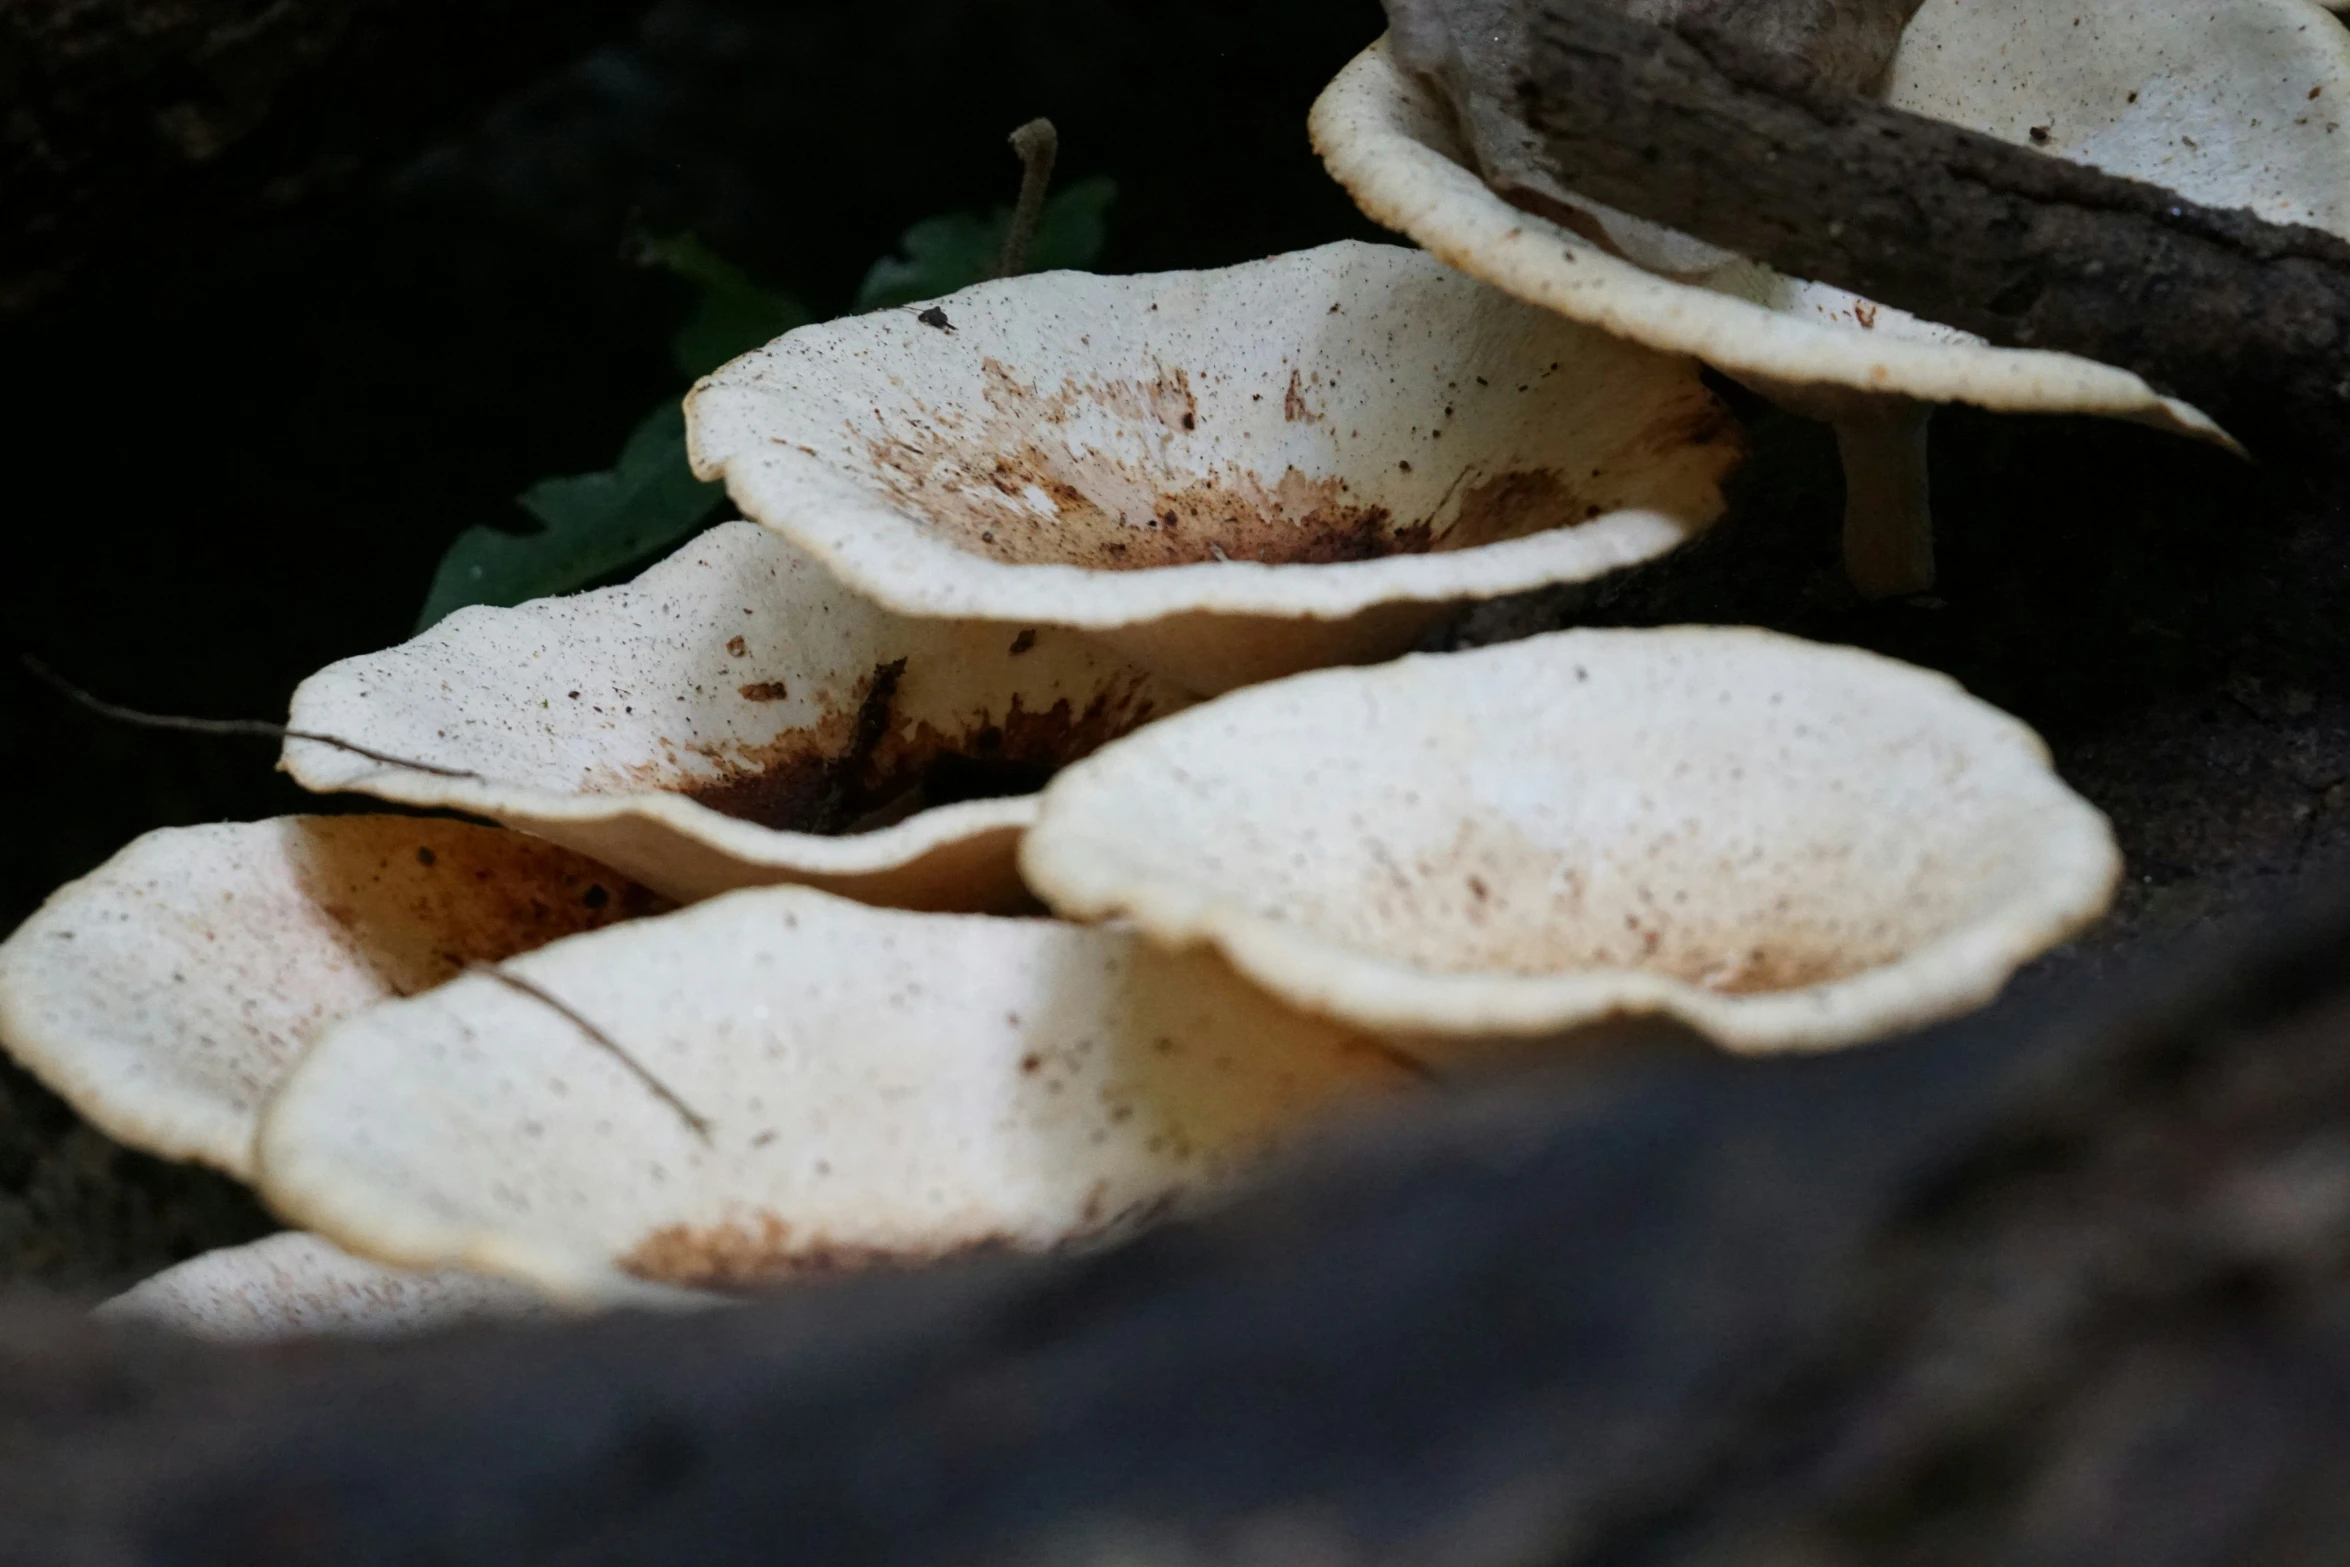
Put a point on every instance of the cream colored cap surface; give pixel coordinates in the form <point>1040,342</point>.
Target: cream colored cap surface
<point>166,994</point>
<point>732,718</point>
<point>1782,844</point>
<point>879,1087</point>
<point>292,1285</point>
<point>1230,474</point>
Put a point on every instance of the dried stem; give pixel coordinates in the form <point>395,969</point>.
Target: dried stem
<point>1038,144</point>
<point>257,728</point>
<point>699,1124</point>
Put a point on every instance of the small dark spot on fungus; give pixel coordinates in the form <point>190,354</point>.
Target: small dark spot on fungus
<point>1031,1063</point>
<point>937,318</point>
<point>574,696</point>
<point>1405,466</point>
<point>426,857</point>
<point>596,896</point>
<point>1023,642</point>
<point>737,647</point>
<point>2040,135</point>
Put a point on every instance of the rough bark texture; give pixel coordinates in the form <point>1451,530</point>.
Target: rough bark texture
<point>2063,1284</point>
<point>151,124</point>
<point>1695,129</point>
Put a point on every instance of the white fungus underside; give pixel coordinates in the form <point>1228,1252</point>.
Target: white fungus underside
<point>1783,845</point>
<point>292,1286</point>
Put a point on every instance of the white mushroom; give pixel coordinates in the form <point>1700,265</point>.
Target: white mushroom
<point>1781,844</point>
<point>165,994</point>
<point>1227,475</point>
<point>292,1285</point>
<point>734,717</point>
<point>780,1081</point>
<point>2222,100</point>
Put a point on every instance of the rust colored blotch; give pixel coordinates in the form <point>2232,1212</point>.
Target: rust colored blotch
<point>737,647</point>
<point>748,1253</point>
<point>863,766</point>
<point>763,690</point>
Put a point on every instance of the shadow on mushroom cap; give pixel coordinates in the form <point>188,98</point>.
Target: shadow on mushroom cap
<point>1231,474</point>
<point>1781,844</point>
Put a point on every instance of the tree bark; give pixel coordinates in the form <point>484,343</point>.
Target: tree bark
<point>1691,128</point>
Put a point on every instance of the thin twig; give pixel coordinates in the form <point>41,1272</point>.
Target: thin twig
<point>258,728</point>
<point>660,1090</point>
<point>1038,144</point>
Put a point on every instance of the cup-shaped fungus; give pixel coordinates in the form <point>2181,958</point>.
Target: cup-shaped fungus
<point>1782,845</point>
<point>779,1081</point>
<point>1227,475</point>
<point>292,1285</point>
<point>166,994</point>
<point>2223,102</point>
<point>733,717</point>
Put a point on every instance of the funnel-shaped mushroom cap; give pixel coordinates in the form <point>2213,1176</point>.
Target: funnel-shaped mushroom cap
<point>734,717</point>
<point>877,1086</point>
<point>1230,475</point>
<point>166,994</point>
<point>1781,844</point>
<point>293,1285</point>
<point>2223,101</point>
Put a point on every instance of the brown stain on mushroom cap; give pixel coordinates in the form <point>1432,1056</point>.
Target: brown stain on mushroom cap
<point>763,1249</point>
<point>450,895</point>
<point>1031,480</point>
<point>862,766</point>
<point>1487,899</point>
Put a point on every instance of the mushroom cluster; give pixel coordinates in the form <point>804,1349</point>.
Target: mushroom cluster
<point>1034,813</point>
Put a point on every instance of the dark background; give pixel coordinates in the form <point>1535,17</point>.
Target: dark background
<point>239,450</point>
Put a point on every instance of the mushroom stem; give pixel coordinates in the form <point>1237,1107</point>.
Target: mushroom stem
<point>1888,520</point>
<point>1038,144</point>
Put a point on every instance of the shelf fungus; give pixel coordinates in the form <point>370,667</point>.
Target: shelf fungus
<point>291,1286</point>
<point>1779,844</point>
<point>1228,475</point>
<point>781,1082</point>
<point>166,994</point>
<point>2226,103</point>
<point>734,717</point>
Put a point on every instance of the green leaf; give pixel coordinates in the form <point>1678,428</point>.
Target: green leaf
<point>940,255</point>
<point>594,525</point>
<point>733,315</point>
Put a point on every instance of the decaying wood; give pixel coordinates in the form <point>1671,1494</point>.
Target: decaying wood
<point>1660,1310</point>
<point>1693,127</point>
